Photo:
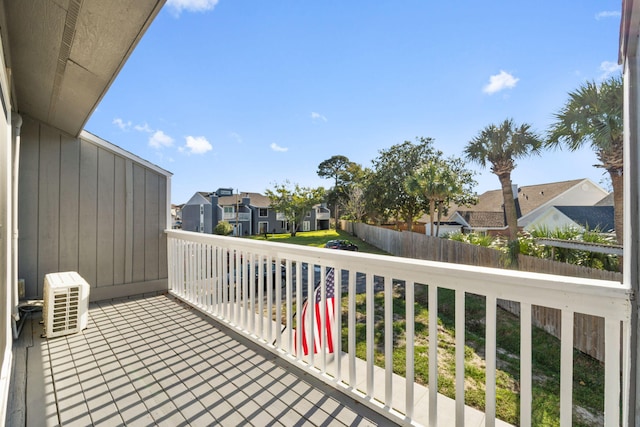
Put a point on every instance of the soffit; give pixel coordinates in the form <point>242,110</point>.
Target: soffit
<point>64,54</point>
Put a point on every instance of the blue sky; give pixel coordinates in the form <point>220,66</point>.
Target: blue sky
<point>248,93</point>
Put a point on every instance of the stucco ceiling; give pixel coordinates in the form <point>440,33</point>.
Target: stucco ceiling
<point>64,54</point>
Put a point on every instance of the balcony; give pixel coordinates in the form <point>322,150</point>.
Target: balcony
<point>221,348</point>
<point>240,216</point>
<point>322,215</point>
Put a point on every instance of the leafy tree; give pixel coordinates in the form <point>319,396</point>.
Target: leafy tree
<point>294,202</point>
<point>439,182</point>
<point>355,204</point>
<point>593,115</point>
<point>344,173</point>
<point>223,228</point>
<point>499,146</point>
<point>385,189</point>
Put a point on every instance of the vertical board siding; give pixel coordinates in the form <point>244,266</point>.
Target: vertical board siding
<point>106,217</point>
<point>87,208</point>
<point>28,206</point>
<point>162,224</point>
<point>119,212</point>
<point>152,228</point>
<point>69,202</point>
<point>88,219</point>
<point>49,195</point>
<point>138,224</point>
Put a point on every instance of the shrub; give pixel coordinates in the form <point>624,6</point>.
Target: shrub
<point>223,228</point>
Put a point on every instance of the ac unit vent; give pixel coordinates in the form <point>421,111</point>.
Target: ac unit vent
<point>66,297</point>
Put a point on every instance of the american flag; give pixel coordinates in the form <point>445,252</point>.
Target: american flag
<point>317,324</point>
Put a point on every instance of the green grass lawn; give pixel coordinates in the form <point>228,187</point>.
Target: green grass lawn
<point>319,238</point>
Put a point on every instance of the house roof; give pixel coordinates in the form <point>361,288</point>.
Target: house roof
<point>530,197</point>
<point>483,219</point>
<point>199,198</point>
<point>606,201</point>
<point>256,199</point>
<point>600,217</point>
<point>64,55</point>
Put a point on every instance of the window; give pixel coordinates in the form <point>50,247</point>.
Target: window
<point>228,210</point>
<point>263,212</point>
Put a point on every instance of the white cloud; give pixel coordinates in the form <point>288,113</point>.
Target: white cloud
<point>191,5</point>
<point>196,145</point>
<point>121,124</point>
<point>143,128</point>
<point>317,117</point>
<point>608,14</point>
<point>499,82</point>
<point>159,139</point>
<point>276,147</point>
<point>608,68</point>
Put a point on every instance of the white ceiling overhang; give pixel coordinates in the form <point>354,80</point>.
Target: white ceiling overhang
<point>63,55</point>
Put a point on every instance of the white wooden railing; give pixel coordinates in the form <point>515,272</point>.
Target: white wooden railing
<point>323,215</point>
<point>212,273</point>
<point>240,216</point>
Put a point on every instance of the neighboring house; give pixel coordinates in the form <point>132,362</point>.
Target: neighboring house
<point>248,213</point>
<point>580,217</point>
<point>583,192</point>
<point>197,213</point>
<point>532,201</point>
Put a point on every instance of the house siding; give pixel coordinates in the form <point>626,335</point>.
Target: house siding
<point>87,208</point>
<point>6,238</point>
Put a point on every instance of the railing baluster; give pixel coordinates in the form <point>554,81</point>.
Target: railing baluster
<point>309,317</point>
<point>525,364</point>
<point>460,352</point>
<point>490,357</point>
<point>225,283</point>
<point>410,361</point>
<point>566,368</point>
<point>388,340</point>
<point>323,319</point>
<point>299,299</point>
<point>289,317</point>
<point>262,283</point>
<point>433,355</point>
<point>278,320</point>
<point>200,275</point>
<point>337,331</point>
<point>370,333</point>
<point>270,290</point>
<point>351,314</point>
<point>612,372</point>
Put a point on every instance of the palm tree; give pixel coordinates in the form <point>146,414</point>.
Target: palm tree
<point>593,114</point>
<point>500,146</point>
<point>441,181</point>
<point>427,182</point>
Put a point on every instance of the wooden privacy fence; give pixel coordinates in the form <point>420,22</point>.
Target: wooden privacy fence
<point>589,330</point>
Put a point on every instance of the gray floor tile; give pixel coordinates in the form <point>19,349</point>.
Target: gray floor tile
<point>153,361</point>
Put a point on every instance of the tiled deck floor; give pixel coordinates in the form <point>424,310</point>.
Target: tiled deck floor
<point>154,361</point>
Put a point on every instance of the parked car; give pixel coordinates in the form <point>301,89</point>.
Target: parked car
<point>344,245</point>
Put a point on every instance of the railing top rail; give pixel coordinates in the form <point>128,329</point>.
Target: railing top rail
<point>596,297</point>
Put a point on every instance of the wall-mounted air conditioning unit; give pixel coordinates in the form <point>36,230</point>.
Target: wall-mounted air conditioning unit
<point>66,304</point>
